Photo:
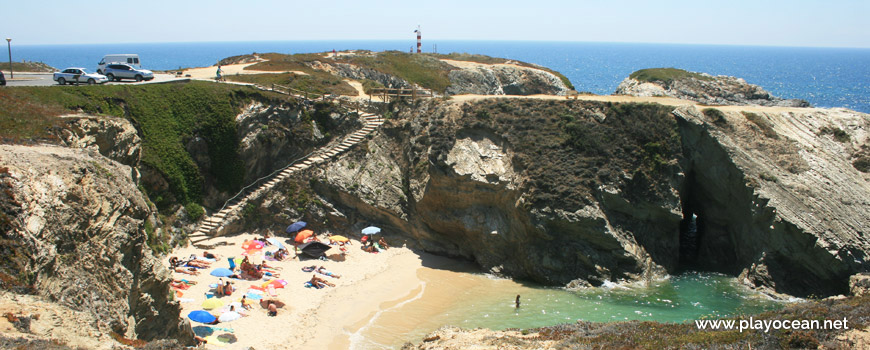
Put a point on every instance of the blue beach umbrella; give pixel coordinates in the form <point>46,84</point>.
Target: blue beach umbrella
<point>371,230</point>
<point>296,226</point>
<point>221,272</point>
<point>201,316</point>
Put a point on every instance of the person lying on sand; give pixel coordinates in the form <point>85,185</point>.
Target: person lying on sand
<point>323,271</point>
<point>208,255</point>
<point>273,310</point>
<point>189,271</point>
<point>190,283</point>
<point>280,255</point>
<point>198,263</point>
<point>319,282</point>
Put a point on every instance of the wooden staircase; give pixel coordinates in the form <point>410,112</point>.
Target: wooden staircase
<point>214,222</point>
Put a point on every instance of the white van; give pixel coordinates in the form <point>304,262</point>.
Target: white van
<point>128,58</point>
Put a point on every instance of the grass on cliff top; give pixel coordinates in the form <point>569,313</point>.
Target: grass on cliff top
<point>426,70</point>
<point>494,60</point>
<point>666,75</point>
<point>26,67</point>
<point>316,82</point>
<point>168,116</point>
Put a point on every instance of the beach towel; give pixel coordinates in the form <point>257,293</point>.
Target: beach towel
<point>254,296</point>
<point>309,268</point>
<point>272,291</point>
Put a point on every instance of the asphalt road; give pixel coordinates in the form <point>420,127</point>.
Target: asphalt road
<point>45,79</point>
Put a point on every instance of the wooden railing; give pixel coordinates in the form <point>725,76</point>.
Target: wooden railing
<point>387,93</point>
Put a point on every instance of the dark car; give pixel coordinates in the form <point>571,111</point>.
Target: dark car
<point>2,79</point>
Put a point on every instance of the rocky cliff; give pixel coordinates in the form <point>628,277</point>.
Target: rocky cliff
<point>80,226</point>
<point>700,87</point>
<point>502,79</point>
<point>578,193</point>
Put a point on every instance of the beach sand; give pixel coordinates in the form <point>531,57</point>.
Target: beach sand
<point>329,318</point>
<point>209,73</point>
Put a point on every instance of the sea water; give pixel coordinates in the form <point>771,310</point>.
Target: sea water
<point>826,77</point>
<point>472,300</point>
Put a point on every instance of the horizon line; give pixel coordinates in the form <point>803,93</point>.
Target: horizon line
<point>412,42</point>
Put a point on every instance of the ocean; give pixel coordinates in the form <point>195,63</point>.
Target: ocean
<point>826,77</point>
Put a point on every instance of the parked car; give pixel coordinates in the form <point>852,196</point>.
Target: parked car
<point>2,79</point>
<point>75,75</point>
<point>128,58</point>
<point>116,72</point>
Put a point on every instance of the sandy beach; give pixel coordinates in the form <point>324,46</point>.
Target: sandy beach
<point>313,318</point>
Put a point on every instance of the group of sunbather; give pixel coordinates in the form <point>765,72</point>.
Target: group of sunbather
<point>191,265</point>
<point>369,244</point>
<point>256,271</point>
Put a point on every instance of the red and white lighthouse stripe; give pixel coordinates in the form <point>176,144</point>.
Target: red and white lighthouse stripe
<point>419,39</point>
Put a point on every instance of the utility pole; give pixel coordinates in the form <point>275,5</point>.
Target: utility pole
<point>9,45</point>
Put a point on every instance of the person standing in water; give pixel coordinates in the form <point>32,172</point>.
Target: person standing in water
<point>517,303</point>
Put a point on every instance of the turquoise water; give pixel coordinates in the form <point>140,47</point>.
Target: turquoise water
<point>678,299</point>
<point>479,301</point>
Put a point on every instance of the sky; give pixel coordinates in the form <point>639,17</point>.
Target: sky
<point>822,23</point>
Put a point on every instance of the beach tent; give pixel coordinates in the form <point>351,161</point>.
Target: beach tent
<point>314,249</point>
<point>201,316</point>
<point>296,226</point>
<point>303,235</point>
<point>221,272</point>
<point>371,230</point>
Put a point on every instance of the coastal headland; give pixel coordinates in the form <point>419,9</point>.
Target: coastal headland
<point>491,161</point>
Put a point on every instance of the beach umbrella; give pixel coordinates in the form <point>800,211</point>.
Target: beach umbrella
<point>296,226</point>
<point>275,242</point>
<point>221,272</point>
<point>229,316</point>
<point>203,331</point>
<point>303,235</point>
<point>212,303</point>
<point>201,316</point>
<point>276,283</point>
<point>252,245</point>
<point>214,340</point>
<point>338,238</point>
<point>264,303</point>
<point>371,230</point>
<point>314,249</point>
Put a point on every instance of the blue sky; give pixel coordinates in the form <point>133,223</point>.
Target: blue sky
<point>833,23</point>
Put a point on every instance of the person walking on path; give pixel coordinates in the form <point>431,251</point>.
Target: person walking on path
<point>219,73</point>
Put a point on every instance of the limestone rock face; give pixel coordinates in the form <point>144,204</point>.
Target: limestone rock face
<point>778,200</point>
<point>115,138</point>
<point>504,80</point>
<point>859,284</point>
<point>81,226</point>
<point>709,90</point>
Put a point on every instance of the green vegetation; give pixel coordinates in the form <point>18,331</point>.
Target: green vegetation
<point>27,67</point>
<point>194,211</point>
<point>765,126</point>
<point>716,116</point>
<point>654,335</point>
<point>316,82</point>
<point>839,134</point>
<point>167,115</point>
<point>665,75</point>
<point>494,60</point>
<point>426,70</point>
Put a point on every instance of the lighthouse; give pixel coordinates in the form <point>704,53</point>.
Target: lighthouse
<point>419,39</point>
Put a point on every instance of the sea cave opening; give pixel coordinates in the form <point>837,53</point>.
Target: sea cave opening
<point>691,226</point>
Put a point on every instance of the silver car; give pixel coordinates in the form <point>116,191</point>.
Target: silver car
<point>75,75</point>
<point>117,71</point>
